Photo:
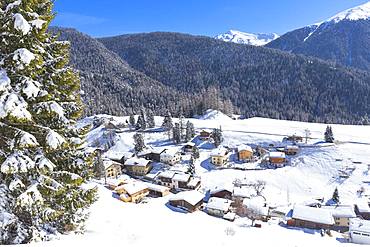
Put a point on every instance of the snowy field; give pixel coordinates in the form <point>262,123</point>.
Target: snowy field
<point>313,173</point>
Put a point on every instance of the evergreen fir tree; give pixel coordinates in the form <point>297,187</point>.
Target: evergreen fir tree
<point>191,166</point>
<point>167,124</point>
<point>336,196</point>
<point>150,119</point>
<point>182,126</point>
<point>195,153</point>
<point>176,133</point>
<point>144,119</point>
<point>328,135</point>
<point>140,124</point>
<point>131,121</point>
<point>139,142</point>
<point>99,170</point>
<point>190,131</point>
<point>217,137</point>
<point>42,164</point>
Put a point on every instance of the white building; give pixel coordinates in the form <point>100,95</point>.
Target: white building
<point>359,231</point>
<point>170,156</point>
<point>218,206</point>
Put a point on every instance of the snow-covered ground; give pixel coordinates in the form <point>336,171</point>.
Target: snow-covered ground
<point>314,172</point>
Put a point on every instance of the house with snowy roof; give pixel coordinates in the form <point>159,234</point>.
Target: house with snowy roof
<point>225,192</point>
<point>218,206</point>
<point>291,149</point>
<point>137,166</point>
<point>112,169</point>
<point>277,159</point>
<point>132,192</point>
<point>188,147</point>
<point>245,153</point>
<point>257,206</point>
<point>156,190</point>
<point>190,200</point>
<point>204,135</point>
<point>112,183</point>
<point>342,215</point>
<point>170,156</point>
<point>359,231</point>
<point>219,156</point>
<point>362,209</point>
<point>309,217</point>
<point>178,181</point>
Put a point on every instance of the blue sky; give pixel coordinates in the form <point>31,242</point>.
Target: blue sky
<point>204,17</point>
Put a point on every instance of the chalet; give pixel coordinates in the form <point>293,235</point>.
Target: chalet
<point>222,192</point>
<point>291,150</point>
<point>293,139</point>
<point>112,183</point>
<point>218,206</point>
<point>178,181</point>
<point>188,200</point>
<point>342,215</point>
<point>132,192</point>
<point>153,154</point>
<point>362,209</point>
<point>245,153</point>
<point>138,166</point>
<point>119,157</point>
<point>359,231</point>
<point>205,135</point>
<point>170,156</point>
<point>188,147</point>
<point>219,156</point>
<point>313,218</point>
<point>156,190</point>
<point>278,159</point>
<point>112,169</point>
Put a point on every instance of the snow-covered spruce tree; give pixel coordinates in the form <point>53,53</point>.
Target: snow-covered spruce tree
<point>167,124</point>
<point>131,121</point>
<point>190,131</point>
<point>150,119</point>
<point>217,137</point>
<point>176,133</point>
<point>42,166</point>
<point>328,135</point>
<point>139,142</point>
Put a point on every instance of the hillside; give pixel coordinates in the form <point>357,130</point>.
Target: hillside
<point>259,81</point>
<point>109,84</point>
<point>343,38</point>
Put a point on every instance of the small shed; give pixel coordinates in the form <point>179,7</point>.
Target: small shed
<point>188,200</point>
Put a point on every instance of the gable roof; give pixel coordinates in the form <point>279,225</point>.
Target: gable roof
<point>359,225</point>
<point>245,147</point>
<point>317,215</point>
<point>218,204</point>
<point>132,188</point>
<point>341,211</point>
<point>221,151</point>
<point>134,161</point>
<point>108,163</point>
<point>193,197</point>
<point>277,155</point>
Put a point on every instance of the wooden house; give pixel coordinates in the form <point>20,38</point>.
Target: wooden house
<point>170,156</point>
<point>293,139</point>
<point>245,153</point>
<point>313,218</point>
<point>153,154</point>
<point>204,135</point>
<point>362,209</point>
<point>112,183</point>
<point>218,206</point>
<point>178,181</point>
<point>222,192</point>
<point>188,147</point>
<point>132,192</point>
<point>188,200</point>
<point>112,168</point>
<point>278,159</point>
<point>359,231</point>
<point>138,166</point>
<point>219,156</point>
<point>291,150</point>
<point>156,190</point>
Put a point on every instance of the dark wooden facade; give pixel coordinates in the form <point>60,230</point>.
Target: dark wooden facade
<point>185,205</point>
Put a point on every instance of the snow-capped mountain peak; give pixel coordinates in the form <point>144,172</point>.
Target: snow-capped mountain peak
<point>257,39</point>
<point>361,12</point>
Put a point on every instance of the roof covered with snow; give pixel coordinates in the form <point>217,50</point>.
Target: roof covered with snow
<point>221,151</point>
<point>181,177</point>
<point>245,147</point>
<point>167,174</point>
<point>341,211</point>
<point>277,155</point>
<point>156,187</point>
<point>108,163</point>
<point>193,197</point>
<point>363,206</point>
<point>317,215</point>
<point>170,152</point>
<point>218,204</point>
<point>133,188</point>
<point>359,225</point>
<point>134,161</point>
